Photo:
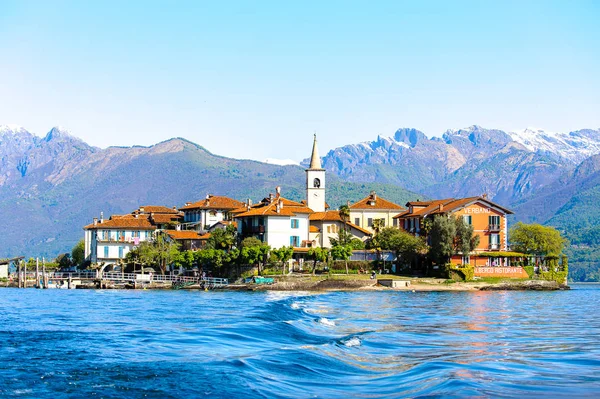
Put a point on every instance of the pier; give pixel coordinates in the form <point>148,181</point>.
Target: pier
<point>72,280</point>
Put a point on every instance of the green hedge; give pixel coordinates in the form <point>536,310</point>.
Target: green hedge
<point>352,265</point>
<point>529,270</point>
<point>460,272</point>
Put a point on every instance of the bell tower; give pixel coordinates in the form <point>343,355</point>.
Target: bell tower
<point>315,181</point>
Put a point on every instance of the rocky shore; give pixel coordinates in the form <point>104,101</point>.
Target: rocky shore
<point>417,284</point>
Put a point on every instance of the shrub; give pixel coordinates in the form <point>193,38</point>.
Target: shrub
<point>460,272</point>
<point>529,270</point>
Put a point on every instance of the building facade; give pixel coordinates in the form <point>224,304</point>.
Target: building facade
<point>325,226</point>
<point>489,221</point>
<point>201,215</point>
<point>371,208</point>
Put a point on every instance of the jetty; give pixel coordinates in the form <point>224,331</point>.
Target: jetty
<point>94,279</point>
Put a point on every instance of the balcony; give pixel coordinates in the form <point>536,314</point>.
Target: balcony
<point>494,227</point>
<point>253,229</point>
<point>494,247</point>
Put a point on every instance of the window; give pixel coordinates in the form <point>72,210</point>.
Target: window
<point>370,222</point>
<point>357,221</point>
<point>105,234</point>
<point>494,241</point>
<point>294,241</point>
<point>494,222</point>
<point>468,219</point>
<point>466,260</point>
<point>295,223</point>
<point>136,234</point>
<point>106,252</point>
<point>395,222</point>
<point>121,234</point>
<point>212,213</point>
<point>382,221</point>
<point>316,183</point>
<point>121,252</point>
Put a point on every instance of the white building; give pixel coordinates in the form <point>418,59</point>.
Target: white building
<point>201,215</point>
<point>326,225</point>
<point>109,241</point>
<point>277,221</point>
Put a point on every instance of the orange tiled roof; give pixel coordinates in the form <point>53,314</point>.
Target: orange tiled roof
<point>267,208</point>
<point>313,229</point>
<point>462,202</point>
<point>155,209</point>
<point>373,201</point>
<point>183,234</point>
<point>448,205</point>
<point>133,223</point>
<point>215,202</point>
<point>333,216</point>
<point>161,218</point>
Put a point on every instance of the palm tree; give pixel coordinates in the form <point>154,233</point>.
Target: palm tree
<point>344,213</point>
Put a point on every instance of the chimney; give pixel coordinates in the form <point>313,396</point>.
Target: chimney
<point>208,196</point>
<point>484,196</point>
<point>174,208</point>
<point>280,204</point>
<point>188,203</point>
<point>95,221</point>
<point>441,207</point>
<point>101,217</point>
<point>136,215</point>
<point>141,209</point>
<point>278,207</point>
<point>249,202</point>
<point>271,198</point>
<point>278,191</point>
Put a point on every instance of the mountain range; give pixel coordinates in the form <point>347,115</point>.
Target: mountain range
<point>51,186</point>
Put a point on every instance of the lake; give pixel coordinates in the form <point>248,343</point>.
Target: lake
<point>162,344</point>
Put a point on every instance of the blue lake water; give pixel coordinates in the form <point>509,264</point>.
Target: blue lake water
<point>161,344</point>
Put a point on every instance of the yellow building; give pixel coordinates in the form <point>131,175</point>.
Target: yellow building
<point>364,212</point>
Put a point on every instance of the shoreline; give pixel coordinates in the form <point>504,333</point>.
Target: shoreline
<point>344,283</point>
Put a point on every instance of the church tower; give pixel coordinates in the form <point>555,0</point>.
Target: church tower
<point>315,182</point>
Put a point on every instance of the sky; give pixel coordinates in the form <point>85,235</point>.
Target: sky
<point>256,79</point>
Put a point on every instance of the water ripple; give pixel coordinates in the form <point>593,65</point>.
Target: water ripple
<point>59,343</point>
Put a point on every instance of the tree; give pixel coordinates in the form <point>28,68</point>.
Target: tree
<point>222,238</point>
<point>254,252</point>
<point>345,237</point>
<point>78,253</point>
<point>283,255</point>
<point>159,252</point>
<point>342,252</point>
<point>64,260</point>
<point>465,240</point>
<point>405,245</point>
<point>318,254</point>
<point>378,224</point>
<point>441,239</point>
<point>536,239</point>
<point>357,243</point>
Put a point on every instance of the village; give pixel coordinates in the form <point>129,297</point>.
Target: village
<point>224,237</point>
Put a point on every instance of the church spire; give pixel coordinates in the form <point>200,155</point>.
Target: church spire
<point>315,160</point>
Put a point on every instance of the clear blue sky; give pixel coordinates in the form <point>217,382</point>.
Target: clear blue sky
<point>255,79</point>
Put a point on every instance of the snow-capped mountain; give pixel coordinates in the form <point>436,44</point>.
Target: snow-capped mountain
<point>575,146</point>
<point>468,161</point>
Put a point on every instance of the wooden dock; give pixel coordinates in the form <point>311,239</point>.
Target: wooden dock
<point>110,279</point>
